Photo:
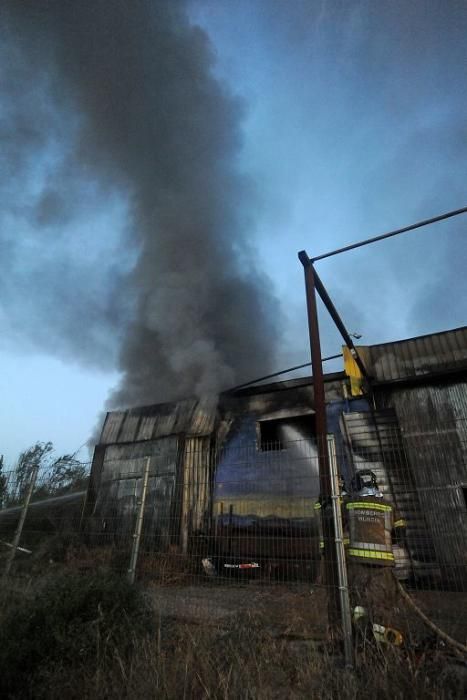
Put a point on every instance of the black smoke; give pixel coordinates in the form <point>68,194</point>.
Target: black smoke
<point>116,102</point>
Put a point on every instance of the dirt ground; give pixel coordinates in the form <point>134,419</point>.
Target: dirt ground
<point>293,611</point>
<point>297,611</point>
<point>448,610</point>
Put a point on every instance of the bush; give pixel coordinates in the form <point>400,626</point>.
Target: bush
<point>70,619</point>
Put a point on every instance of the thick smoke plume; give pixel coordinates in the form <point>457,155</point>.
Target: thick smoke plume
<point>125,93</point>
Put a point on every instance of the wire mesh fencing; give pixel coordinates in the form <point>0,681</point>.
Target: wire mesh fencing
<point>40,513</point>
<point>214,533</point>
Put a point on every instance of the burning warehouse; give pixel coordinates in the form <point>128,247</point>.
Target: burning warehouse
<point>238,472</point>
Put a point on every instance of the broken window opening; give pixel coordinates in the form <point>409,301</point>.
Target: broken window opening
<point>278,434</point>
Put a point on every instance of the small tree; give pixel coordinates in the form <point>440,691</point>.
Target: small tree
<point>66,473</point>
<point>55,475</point>
<point>32,458</point>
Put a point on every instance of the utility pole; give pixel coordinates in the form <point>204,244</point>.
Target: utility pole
<point>331,573</point>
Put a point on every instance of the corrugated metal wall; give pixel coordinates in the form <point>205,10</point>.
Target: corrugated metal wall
<point>114,510</point>
<point>197,487</point>
<point>433,420</point>
<point>179,492</point>
<point>375,443</point>
<point>179,487</point>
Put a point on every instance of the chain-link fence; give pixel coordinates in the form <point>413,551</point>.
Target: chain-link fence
<point>215,533</point>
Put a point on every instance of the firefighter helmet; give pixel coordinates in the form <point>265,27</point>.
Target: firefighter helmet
<point>364,483</point>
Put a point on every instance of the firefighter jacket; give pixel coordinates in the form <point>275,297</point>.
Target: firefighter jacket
<point>372,522</point>
<point>318,508</point>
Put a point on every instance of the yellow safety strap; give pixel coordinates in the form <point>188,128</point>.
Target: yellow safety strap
<point>346,542</point>
<point>400,523</point>
<point>317,505</point>
<point>370,554</point>
<point>369,506</point>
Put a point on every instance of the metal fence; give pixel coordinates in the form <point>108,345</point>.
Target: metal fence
<point>214,534</point>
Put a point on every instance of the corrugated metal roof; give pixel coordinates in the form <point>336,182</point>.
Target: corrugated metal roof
<point>387,362</point>
<point>417,357</point>
<point>190,417</point>
<point>111,427</point>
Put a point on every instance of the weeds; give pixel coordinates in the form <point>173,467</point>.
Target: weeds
<point>79,636</point>
<point>66,622</point>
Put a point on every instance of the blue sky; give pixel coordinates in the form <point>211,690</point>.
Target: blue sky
<point>354,122</point>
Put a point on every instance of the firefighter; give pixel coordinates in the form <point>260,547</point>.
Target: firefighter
<point>373,528</point>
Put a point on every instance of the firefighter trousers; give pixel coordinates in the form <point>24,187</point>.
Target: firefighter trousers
<point>374,588</point>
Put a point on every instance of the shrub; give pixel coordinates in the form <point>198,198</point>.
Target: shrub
<point>68,620</point>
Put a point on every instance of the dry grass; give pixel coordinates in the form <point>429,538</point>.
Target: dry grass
<point>169,569</point>
<point>246,662</point>
<point>82,636</point>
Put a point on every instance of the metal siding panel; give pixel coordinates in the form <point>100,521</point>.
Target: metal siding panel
<point>158,526</point>
<point>375,443</point>
<point>116,502</point>
<point>459,341</point>
<point>392,365</point>
<point>182,416</point>
<point>164,425</point>
<point>190,417</point>
<point>112,426</point>
<point>204,416</point>
<point>410,368</point>
<point>146,428</point>
<point>428,355</point>
<point>419,356</point>
<point>129,428</point>
<point>444,347</point>
<point>130,459</point>
<point>196,486</point>
<point>407,358</point>
<point>452,343</point>
<point>433,420</point>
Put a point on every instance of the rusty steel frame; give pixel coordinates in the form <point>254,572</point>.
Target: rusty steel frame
<point>331,572</point>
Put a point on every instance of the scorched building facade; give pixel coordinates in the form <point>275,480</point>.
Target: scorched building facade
<point>239,472</point>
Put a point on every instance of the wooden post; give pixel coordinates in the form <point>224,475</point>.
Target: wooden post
<point>139,524</point>
<point>22,519</point>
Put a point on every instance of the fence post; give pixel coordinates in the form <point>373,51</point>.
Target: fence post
<point>139,524</point>
<point>22,519</point>
<point>346,619</point>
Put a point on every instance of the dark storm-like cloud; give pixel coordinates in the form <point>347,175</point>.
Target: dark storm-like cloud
<point>367,114</point>
<point>138,112</point>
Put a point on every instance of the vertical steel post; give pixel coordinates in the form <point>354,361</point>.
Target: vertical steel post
<point>330,562</point>
<point>346,619</point>
<point>22,519</point>
<point>139,524</point>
